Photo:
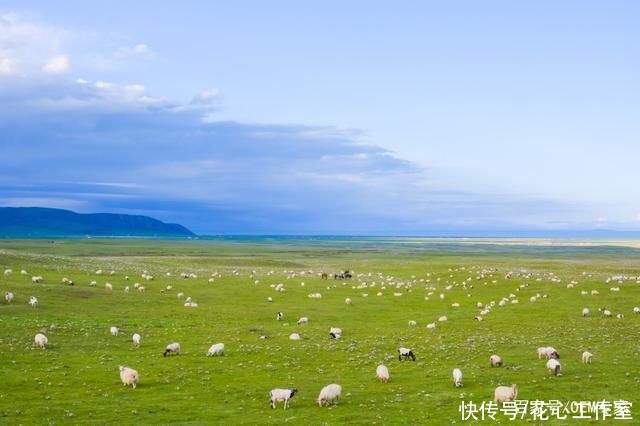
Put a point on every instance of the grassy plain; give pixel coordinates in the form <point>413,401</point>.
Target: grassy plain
<point>75,380</point>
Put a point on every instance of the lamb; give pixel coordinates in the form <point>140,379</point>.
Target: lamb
<point>303,320</point>
<point>585,312</point>
<point>129,376</point>
<point>136,339</point>
<point>33,301</point>
<point>215,350</point>
<point>281,395</point>
<point>406,353</point>
<point>41,340</point>
<point>457,377</point>
<point>495,361</point>
<point>553,365</point>
<point>329,393</point>
<point>114,331</point>
<point>505,393</point>
<point>279,316</point>
<point>586,357</point>
<point>382,373</point>
<point>8,296</point>
<point>172,348</point>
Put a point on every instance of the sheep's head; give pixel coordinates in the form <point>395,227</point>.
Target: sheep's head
<point>293,392</point>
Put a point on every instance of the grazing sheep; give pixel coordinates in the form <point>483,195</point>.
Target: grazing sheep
<point>382,373</point>
<point>620,316</point>
<point>191,304</point>
<point>136,339</point>
<point>303,320</point>
<point>606,313</point>
<point>126,289</point>
<point>335,332</point>
<point>329,393</point>
<point>41,340</point>
<point>457,377</point>
<point>347,301</point>
<point>281,395</point>
<point>412,323</point>
<point>431,325</point>
<point>108,286</point>
<point>585,312</point>
<point>548,352</point>
<point>595,292</point>
<point>114,331</point>
<point>215,350</point>
<point>279,316</point>
<point>33,301</point>
<point>172,348</point>
<point>8,296</point>
<point>180,295</point>
<point>505,393</point>
<point>129,376</point>
<point>269,299</point>
<point>36,279</point>
<point>67,281</point>
<point>586,357</point>
<point>495,361</point>
<point>294,336</point>
<point>93,283</point>
<point>553,365</point>
<point>8,271</point>
<point>636,310</point>
<point>443,318</point>
<point>406,353</point>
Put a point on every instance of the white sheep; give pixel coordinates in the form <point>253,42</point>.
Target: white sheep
<point>406,353</point>
<point>36,279</point>
<point>126,289</point>
<point>620,316</point>
<point>335,332</point>
<point>136,339</point>
<point>108,286</point>
<point>129,376</point>
<point>636,310</point>
<point>505,393</point>
<point>412,323</point>
<point>553,365</point>
<point>279,316</point>
<point>586,357</point>
<point>585,312</point>
<point>93,283</point>
<point>41,340</point>
<point>457,377</point>
<point>495,361</point>
<point>382,373</point>
<point>303,320</point>
<point>606,313</point>
<point>215,350</point>
<point>33,301</point>
<point>8,271</point>
<point>191,304</point>
<point>547,352</point>
<point>294,336</point>
<point>329,393</point>
<point>8,296</point>
<point>431,325</point>
<point>443,318</point>
<point>172,348</point>
<point>281,395</point>
<point>114,331</point>
<point>180,295</point>
<point>347,300</point>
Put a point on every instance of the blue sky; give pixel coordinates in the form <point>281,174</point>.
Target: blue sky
<point>423,118</point>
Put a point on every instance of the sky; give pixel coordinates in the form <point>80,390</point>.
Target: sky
<point>284,117</point>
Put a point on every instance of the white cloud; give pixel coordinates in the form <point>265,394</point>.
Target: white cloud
<point>139,50</point>
<point>58,64</point>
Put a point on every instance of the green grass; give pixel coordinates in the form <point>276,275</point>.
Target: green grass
<point>78,373</point>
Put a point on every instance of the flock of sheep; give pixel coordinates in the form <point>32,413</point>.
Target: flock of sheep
<point>331,393</point>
